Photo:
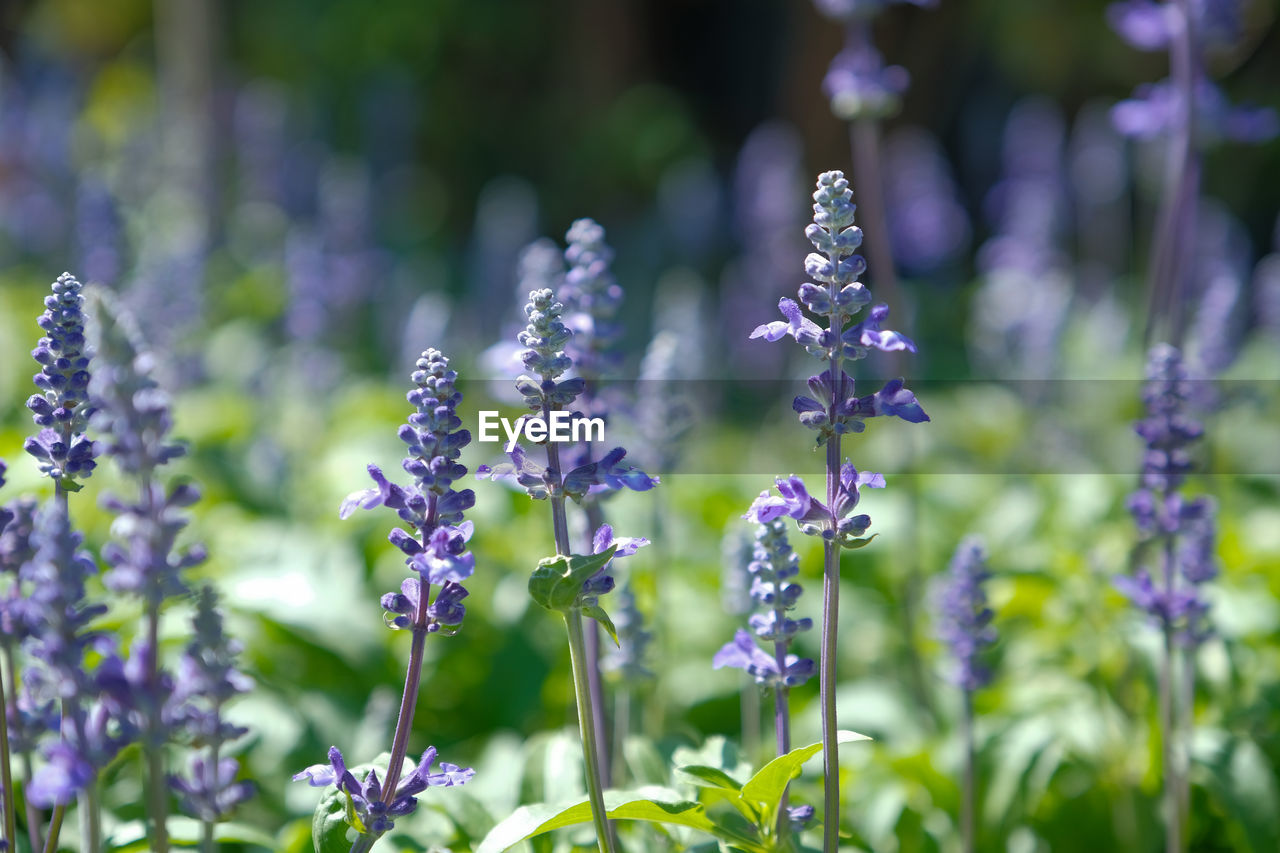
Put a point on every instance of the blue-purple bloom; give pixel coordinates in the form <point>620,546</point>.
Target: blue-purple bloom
<point>376,815</point>
<point>61,409</point>
<point>964,619</point>
<point>94,704</point>
<point>592,299</point>
<point>206,680</point>
<point>436,548</point>
<point>858,83</point>
<point>773,566</point>
<point>1180,528</point>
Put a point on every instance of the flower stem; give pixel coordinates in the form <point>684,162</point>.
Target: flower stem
<point>412,677</point>
<point>1168,718</point>
<point>157,800</point>
<point>55,828</point>
<point>6,776</point>
<point>34,816</point>
<point>590,749</point>
<point>831,596</point>
<point>968,827</point>
<point>90,819</point>
<point>207,842</point>
<point>1165,275</point>
<point>781,727</point>
<point>577,656</point>
<point>595,518</point>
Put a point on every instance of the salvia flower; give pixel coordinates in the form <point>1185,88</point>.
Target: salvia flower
<point>93,705</point>
<point>61,409</point>
<point>545,339</point>
<point>813,516</point>
<point>1182,528</point>
<point>377,812</point>
<point>773,566</point>
<point>592,298</point>
<point>436,547</point>
<point>964,619</point>
<point>208,678</point>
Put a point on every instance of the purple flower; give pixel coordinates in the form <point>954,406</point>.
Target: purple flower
<point>210,792</point>
<point>444,556</point>
<point>964,619</point>
<point>743,653</point>
<point>62,409</point>
<point>592,299</point>
<point>376,809</point>
<point>805,331</point>
<point>1179,531</point>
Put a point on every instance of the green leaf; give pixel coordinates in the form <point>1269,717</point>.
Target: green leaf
<point>657,805</point>
<point>557,581</point>
<point>855,544</point>
<point>711,776</point>
<point>597,613</point>
<point>766,787</point>
<point>329,824</point>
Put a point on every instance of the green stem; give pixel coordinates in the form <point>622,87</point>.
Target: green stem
<point>595,518</point>
<point>586,725</point>
<point>6,776</point>
<point>90,815</point>
<point>34,815</point>
<point>207,843</point>
<point>55,828</point>
<point>363,844</point>
<point>968,827</point>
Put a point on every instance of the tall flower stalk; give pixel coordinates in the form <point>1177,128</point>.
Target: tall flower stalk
<point>570,584</point>
<point>964,624</point>
<point>772,567</point>
<point>592,299</point>
<point>132,414</point>
<point>833,411</point>
<point>435,550</point>
<point>65,454</point>
<point>207,679</point>
<point>1176,534</point>
<point>863,91</point>
<point>8,824</point>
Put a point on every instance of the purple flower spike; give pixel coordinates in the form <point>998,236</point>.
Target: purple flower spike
<point>964,619</point>
<point>62,408</point>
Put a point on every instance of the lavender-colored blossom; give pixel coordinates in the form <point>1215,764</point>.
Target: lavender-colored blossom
<point>376,811</point>
<point>545,339</point>
<point>592,300</point>
<point>93,706</point>
<point>628,661</point>
<point>208,678</point>
<point>964,619</point>
<point>1181,528</point>
<point>928,226</point>
<point>773,566</point>
<point>435,549</point>
<point>61,409</point>
<point>1022,302</point>
<point>859,85</point>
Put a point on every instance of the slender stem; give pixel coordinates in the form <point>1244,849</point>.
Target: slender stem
<point>1165,271</point>
<point>55,828</point>
<point>1168,717</point>
<point>577,656</point>
<point>968,826</point>
<point>595,518</point>
<point>207,842</point>
<point>90,816</point>
<point>590,749</point>
<point>35,817</point>
<point>831,602</point>
<point>6,776</point>
<point>781,730</point>
<point>157,799</point>
<point>363,843</point>
<point>1187,728</point>
<point>412,677</point>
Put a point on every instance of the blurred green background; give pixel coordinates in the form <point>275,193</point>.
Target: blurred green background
<point>297,197</point>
